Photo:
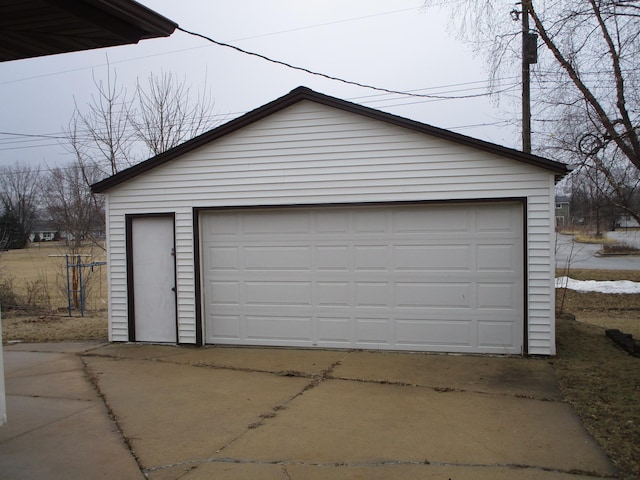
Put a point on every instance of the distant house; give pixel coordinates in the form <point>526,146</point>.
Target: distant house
<point>626,221</point>
<point>316,222</point>
<point>44,232</point>
<point>563,217</point>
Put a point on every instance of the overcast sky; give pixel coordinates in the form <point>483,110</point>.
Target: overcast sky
<point>395,44</point>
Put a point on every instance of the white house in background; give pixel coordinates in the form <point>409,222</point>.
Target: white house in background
<point>626,221</point>
<point>316,222</point>
<point>43,232</point>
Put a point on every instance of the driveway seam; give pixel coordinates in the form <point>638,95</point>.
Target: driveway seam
<point>315,381</point>
<point>383,463</point>
<point>39,427</point>
<point>327,374</point>
<point>439,389</point>
<point>92,378</point>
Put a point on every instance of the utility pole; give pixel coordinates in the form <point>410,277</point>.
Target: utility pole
<point>529,56</point>
<point>526,81</point>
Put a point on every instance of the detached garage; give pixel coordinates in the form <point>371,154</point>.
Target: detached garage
<point>316,222</point>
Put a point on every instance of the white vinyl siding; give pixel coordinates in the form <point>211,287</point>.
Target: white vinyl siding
<point>312,154</point>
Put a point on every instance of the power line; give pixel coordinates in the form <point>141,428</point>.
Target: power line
<point>324,75</point>
<point>462,84</point>
<point>16,138</point>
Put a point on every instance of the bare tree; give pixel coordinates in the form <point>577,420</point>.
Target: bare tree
<point>71,205</point>
<point>77,212</point>
<point>115,130</point>
<point>587,105</point>
<point>101,134</point>
<point>20,188</point>
<point>165,113</point>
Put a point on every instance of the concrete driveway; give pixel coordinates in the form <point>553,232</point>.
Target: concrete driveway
<point>220,413</point>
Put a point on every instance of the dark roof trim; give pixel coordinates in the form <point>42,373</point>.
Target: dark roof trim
<point>34,28</point>
<point>304,93</point>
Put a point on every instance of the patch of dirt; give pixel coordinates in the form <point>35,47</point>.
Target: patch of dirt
<point>602,384</point>
<point>42,328</point>
<point>600,380</point>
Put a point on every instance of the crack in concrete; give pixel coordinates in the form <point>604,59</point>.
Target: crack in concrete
<point>284,470</point>
<point>317,379</point>
<point>39,427</point>
<point>440,389</point>
<point>327,374</point>
<point>382,463</point>
<point>92,377</point>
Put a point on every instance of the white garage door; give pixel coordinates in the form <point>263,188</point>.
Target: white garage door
<point>412,277</point>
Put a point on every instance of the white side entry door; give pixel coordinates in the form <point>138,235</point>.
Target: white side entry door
<point>154,279</point>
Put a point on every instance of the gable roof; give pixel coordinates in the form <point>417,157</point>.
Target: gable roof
<point>304,93</point>
<point>34,28</point>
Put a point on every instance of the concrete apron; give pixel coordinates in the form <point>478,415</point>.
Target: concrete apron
<point>58,427</point>
<point>293,414</point>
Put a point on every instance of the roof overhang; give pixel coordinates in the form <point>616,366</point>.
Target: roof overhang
<point>34,28</point>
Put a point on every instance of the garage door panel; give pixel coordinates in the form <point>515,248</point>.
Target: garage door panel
<point>225,327</point>
<point>498,335</point>
<point>497,218</point>
<point>436,278</point>
<point>279,328</point>
<point>496,258</point>
<point>332,257</point>
<point>496,296</point>
<point>370,221</point>
<point>372,331</point>
<point>433,295</point>
<point>223,258</point>
<point>331,222</point>
<point>432,257</point>
<point>278,293</point>
<point>225,225</point>
<point>435,333</point>
<point>333,294</point>
<point>224,293</point>
<point>432,221</point>
<point>370,257</point>
<point>371,294</point>
<point>281,257</point>
<point>275,223</point>
<point>334,331</point>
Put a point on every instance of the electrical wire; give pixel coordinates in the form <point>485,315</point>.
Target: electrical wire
<point>324,75</point>
<point>19,141</point>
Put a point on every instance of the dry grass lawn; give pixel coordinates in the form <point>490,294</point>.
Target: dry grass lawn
<point>598,379</point>
<point>601,381</point>
<point>36,308</point>
<point>38,277</point>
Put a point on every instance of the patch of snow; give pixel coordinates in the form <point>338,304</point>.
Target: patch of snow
<point>618,286</point>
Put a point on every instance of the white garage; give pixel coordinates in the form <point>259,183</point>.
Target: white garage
<point>316,222</point>
<point>402,277</point>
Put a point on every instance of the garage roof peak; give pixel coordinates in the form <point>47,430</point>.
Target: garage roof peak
<point>303,93</point>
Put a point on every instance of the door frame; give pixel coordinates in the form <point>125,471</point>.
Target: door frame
<point>131,315</point>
